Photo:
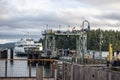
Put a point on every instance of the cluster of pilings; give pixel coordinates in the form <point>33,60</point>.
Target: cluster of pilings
<point>4,54</point>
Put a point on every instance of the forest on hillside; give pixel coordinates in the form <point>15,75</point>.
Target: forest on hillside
<point>93,40</point>
<point>108,37</point>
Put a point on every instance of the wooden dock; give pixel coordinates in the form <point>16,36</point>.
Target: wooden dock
<point>87,72</point>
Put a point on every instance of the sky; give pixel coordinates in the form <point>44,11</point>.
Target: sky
<point>19,17</point>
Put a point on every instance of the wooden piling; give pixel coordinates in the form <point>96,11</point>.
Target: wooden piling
<point>51,69</point>
<point>5,68</point>
<point>39,72</point>
<point>71,72</point>
<point>11,53</point>
<point>55,75</point>
<point>29,68</point>
<point>11,56</point>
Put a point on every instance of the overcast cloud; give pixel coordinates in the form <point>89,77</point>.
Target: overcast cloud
<point>18,17</point>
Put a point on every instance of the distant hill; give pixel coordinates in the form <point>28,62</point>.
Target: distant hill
<point>7,45</point>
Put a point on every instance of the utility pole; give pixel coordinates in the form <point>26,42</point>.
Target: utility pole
<point>101,37</point>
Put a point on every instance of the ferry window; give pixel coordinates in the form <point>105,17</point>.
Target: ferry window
<point>20,46</point>
<point>39,45</point>
<point>29,39</point>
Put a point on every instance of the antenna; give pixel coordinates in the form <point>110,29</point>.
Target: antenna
<point>47,27</point>
<point>68,28</point>
<point>28,34</point>
<point>59,27</point>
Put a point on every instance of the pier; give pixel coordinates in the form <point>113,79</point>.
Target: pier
<point>78,66</point>
<point>80,36</point>
<point>87,72</point>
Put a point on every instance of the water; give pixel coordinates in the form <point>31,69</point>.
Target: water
<point>19,68</point>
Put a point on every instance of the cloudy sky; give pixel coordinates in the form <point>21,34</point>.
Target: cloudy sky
<point>18,17</point>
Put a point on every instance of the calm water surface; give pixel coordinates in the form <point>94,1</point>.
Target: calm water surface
<point>19,68</point>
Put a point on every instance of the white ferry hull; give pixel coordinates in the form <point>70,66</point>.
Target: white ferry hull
<point>27,44</point>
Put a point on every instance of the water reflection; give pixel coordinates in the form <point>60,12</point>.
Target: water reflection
<point>18,68</point>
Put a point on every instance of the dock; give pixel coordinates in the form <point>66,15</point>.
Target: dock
<point>62,70</point>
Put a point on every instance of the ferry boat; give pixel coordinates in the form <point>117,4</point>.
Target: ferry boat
<point>26,44</point>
